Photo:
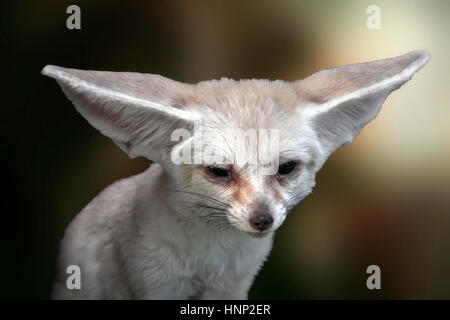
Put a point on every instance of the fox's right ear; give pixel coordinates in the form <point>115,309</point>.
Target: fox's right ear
<point>137,111</point>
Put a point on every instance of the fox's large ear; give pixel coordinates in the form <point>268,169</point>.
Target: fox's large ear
<point>137,111</point>
<point>340,101</point>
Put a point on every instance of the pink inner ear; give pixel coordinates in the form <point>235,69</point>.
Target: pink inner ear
<point>331,83</point>
<point>326,85</point>
<point>126,107</point>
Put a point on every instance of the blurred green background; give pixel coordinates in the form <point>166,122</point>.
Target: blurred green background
<point>383,200</point>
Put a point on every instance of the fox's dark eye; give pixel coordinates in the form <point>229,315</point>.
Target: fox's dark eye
<point>218,172</point>
<point>286,168</point>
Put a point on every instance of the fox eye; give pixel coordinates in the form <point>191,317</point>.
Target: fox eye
<point>286,168</point>
<point>218,172</point>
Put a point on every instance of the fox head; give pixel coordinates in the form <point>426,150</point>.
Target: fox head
<point>240,154</point>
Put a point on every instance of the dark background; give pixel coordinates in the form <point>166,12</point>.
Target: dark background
<point>384,200</point>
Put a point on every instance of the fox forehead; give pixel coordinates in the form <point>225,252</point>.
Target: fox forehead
<point>245,103</point>
<point>231,110</point>
<point>258,143</point>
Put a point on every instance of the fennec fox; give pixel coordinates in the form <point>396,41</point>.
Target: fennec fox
<point>230,160</point>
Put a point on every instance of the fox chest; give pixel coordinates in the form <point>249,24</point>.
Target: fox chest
<point>224,270</point>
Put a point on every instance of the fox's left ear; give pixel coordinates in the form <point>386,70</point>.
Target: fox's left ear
<point>340,101</point>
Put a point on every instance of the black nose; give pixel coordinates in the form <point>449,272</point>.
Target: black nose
<point>261,221</point>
